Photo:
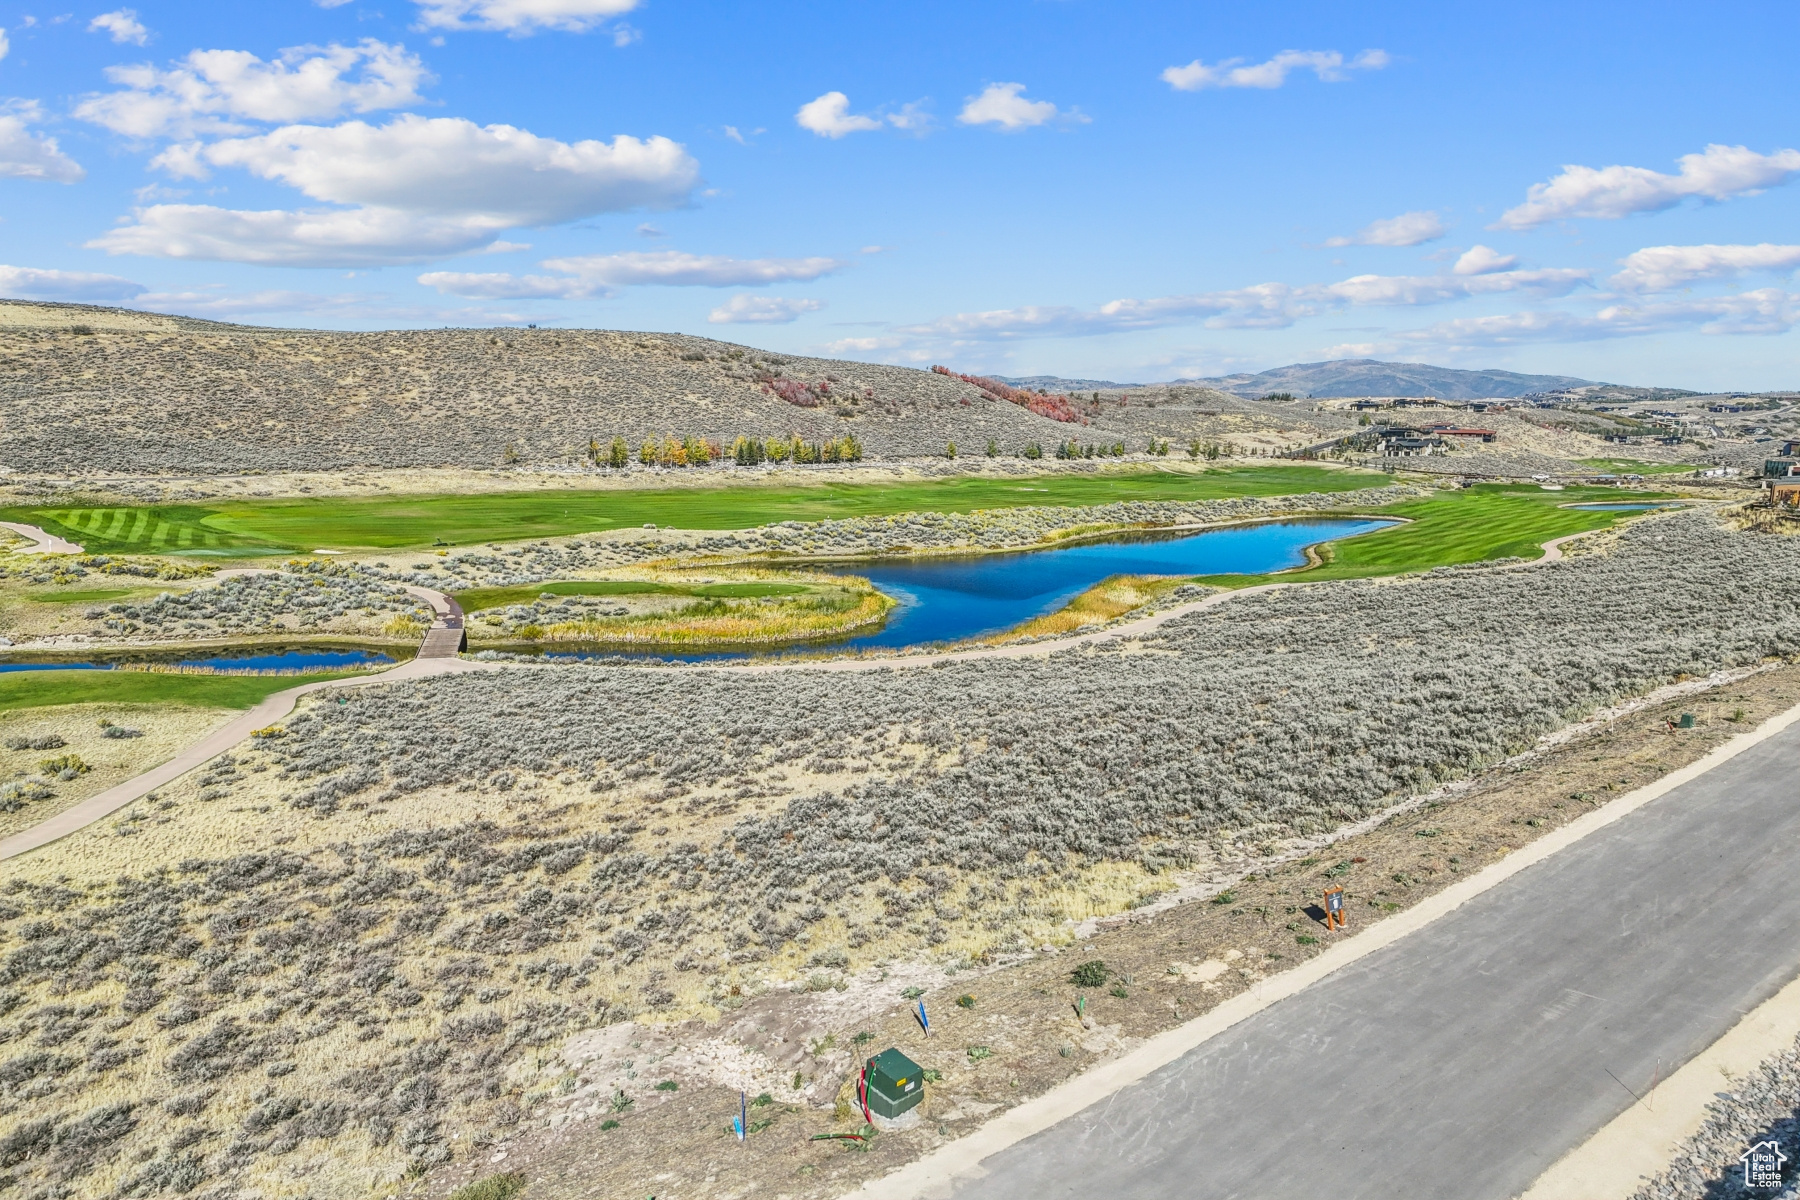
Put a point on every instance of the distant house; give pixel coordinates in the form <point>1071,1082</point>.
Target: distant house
<point>1367,406</point>
<point>1674,439</point>
<point>1486,406</point>
<point>1791,446</point>
<point>1781,468</point>
<point>1403,442</point>
<point>1623,439</point>
<point>1725,408</point>
<point>1486,435</point>
<point>1785,494</point>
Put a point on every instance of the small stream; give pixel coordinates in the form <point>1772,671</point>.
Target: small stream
<point>241,658</point>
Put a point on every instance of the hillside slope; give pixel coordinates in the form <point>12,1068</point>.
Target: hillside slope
<point>1367,377</point>
<point>86,390</point>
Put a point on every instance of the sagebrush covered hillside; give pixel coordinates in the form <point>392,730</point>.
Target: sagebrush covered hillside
<point>87,389</point>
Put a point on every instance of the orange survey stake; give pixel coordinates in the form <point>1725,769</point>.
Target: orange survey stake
<point>1334,908</point>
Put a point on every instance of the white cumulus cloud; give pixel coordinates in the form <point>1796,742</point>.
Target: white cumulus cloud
<point>26,155</point>
<point>1664,268</point>
<point>1482,260</point>
<point>1762,312</point>
<point>1716,173</point>
<point>213,90</point>
<point>1328,65</point>
<point>1261,306</point>
<point>1004,106</point>
<point>451,166</point>
<point>361,237</point>
<point>679,269</point>
<point>830,116</point>
<point>522,16</point>
<point>122,24</point>
<point>421,188</point>
<point>5,44</point>
<point>762,310</point>
<point>32,283</point>
<point>1407,229</point>
<point>586,276</point>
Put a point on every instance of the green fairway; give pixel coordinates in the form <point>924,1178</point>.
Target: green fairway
<point>90,596</point>
<point>395,522</point>
<point>41,689</point>
<point>1631,466</point>
<point>477,599</point>
<point>1474,525</point>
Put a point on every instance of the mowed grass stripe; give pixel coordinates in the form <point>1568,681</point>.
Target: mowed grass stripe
<point>116,530</point>
<point>393,522</point>
<point>139,526</point>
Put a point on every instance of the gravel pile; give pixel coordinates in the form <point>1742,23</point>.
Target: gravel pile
<point>1764,1105</point>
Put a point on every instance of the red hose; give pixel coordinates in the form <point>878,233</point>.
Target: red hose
<point>862,1094</point>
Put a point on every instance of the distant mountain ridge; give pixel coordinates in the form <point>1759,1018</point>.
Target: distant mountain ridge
<point>1056,383</point>
<point>1367,377</point>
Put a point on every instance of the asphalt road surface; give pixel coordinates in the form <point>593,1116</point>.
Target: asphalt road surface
<point>1460,1062</point>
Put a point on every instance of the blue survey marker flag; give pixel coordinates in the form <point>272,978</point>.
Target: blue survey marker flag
<point>924,1021</point>
<point>743,1118</point>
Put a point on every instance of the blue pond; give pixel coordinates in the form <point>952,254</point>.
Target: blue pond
<point>265,659</point>
<point>949,599</point>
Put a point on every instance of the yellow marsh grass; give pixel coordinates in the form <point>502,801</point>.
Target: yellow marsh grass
<point>841,605</point>
<point>782,619</point>
<point>1105,601</point>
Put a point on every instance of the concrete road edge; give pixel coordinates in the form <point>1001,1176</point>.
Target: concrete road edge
<point>1643,1139</point>
<point>935,1175</point>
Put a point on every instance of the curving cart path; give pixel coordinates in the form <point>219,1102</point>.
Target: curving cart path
<point>437,656</point>
<point>46,543</point>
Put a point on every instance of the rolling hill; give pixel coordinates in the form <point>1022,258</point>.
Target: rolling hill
<point>86,390</point>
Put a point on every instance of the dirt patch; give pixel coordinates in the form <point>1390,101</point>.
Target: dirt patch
<point>1026,1027</point>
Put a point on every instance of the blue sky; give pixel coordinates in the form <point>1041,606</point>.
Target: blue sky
<point>1124,191</point>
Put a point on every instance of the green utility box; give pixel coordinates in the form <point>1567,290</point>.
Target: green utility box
<point>1687,720</point>
<point>896,1084</point>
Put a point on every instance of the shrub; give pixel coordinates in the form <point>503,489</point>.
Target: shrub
<point>1090,974</point>
<point>494,1187</point>
<point>48,741</point>
<point>965,1001</point>
<point>64,766</point>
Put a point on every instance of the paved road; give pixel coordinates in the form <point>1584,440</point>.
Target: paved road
<point>1464,1060</point>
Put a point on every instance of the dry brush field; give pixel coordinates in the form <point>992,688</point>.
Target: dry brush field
<point>350,946</point>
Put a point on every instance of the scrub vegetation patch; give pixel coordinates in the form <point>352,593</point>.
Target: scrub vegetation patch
<point>354,949</point>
